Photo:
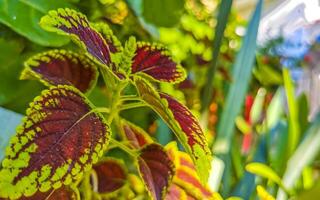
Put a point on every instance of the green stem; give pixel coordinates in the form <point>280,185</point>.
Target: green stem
<point>294,128</point>
<point>112,146</point>
<point>94,180</point>
<point>123,147</point>
<point>101,110</point>
<point>115,101</point>
<point>120,129</point>
<point>132,105</point>
<point>86,187</point>
<point>130,98</point>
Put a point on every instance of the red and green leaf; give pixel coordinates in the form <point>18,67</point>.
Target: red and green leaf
<point>63,193</point>
<point>155,62</point>
<point>72,23</point>
<point>109,175</point>
<point>58,140</point>
<point>60,67</point>
<point>186,177</point>
<point>112,41</point>
<point>176,193</point>
<point>156,170</point>
<point>136,135</point>
<point>182,122</point>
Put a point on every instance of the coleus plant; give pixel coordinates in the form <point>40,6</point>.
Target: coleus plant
<point>60,145</point>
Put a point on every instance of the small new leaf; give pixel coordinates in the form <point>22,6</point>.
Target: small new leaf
<point>155,62</point>
<point>60,67</point>
<point>136,135</point>
<point>182,122</point>
<point>127,55</point>
<point>58,140</point>
<point>156,170</point>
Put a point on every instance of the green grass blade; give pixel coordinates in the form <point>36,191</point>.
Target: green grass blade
<point>242,71</point>
<point>294,128</point>
<point>224,11</point>
<point>264,171</point>
<point>302,157</point>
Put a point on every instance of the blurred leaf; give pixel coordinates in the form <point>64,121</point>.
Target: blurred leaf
<point>277,140</point>
<point>234,198</point>
<point>303,105</point>
<point>267,75</point>
<point>243,125</point>
<point>163,133</point>
<point>264,171</point>
<point>14,94</point>
<point>8,123</point>
<point>45,5</point>
<point>98,97</point>
<point>137,7</point>
<point>246,185</point>
<point>294,128</point>
<point>256,110</point>
<point>164,13</point>
<point>275,109</point>
<point>308,177</point>
<point>23,16</point>
<point>306,152</point>
<point>313,193</point>
<point>242,69</point>
<point>263,194</point>
<point>224,11</point>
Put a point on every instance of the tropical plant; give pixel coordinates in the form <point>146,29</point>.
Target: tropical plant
<point>63,141</point>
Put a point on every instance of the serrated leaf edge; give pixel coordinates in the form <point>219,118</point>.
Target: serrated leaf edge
<point>28,73</point>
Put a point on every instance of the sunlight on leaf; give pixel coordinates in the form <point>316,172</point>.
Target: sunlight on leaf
<point>263,194</point>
